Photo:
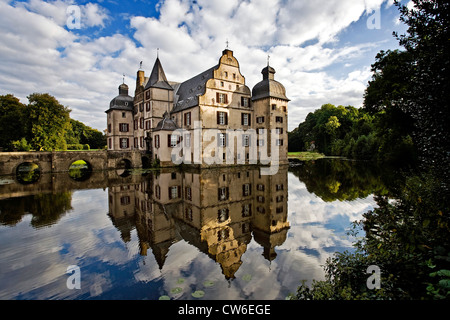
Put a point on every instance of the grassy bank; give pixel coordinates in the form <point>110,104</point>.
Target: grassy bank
<point>306,155</point>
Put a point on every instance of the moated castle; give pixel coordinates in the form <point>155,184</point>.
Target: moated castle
<point>164,115</point>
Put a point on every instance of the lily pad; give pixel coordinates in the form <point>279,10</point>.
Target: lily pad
<point>198,294</point>
<point>208,283</point>
<point>247,277</point>
<point>180,281</point>
<point>176,290</point>
<point>164,298</point>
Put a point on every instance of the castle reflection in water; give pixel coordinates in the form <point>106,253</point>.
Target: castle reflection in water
<point>216,210</point>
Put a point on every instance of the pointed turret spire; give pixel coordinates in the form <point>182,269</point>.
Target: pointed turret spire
<point>158,77</point>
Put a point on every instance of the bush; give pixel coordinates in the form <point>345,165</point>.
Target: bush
<point>86,147</point>
<point>21,145</point>
<point>77,146</point>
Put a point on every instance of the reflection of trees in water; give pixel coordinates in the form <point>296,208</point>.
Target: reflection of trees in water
<point>46,209</point>
<point>334,179</point>
<point>28,173</point>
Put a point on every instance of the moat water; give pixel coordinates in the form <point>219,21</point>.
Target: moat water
<point>212,234</point>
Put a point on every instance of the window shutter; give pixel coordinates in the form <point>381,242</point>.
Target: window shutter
<point>169,139</point>
<point>242,119</point>
<point>226,98</point>
<point>185,122</point>
<point>179,191</point>
<point>170,194</point>
<point>218,117</point>
<point>226,118</point>
<point>249,119</point>
<point>217,97</point>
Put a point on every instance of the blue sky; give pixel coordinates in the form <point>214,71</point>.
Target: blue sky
<point>322,49</point>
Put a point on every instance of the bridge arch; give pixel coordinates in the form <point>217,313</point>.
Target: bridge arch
<point>80,170</point>
<point>27,172</point>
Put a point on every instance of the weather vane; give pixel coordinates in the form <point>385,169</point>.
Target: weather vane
<point>227,42</point>
<point>268,60</point>
<point>124,78</point>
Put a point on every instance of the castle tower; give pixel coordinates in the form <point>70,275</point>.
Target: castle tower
<point>270,107</point>
<point>119,121</point>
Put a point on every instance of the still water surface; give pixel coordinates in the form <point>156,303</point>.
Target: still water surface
<point>212,234</point>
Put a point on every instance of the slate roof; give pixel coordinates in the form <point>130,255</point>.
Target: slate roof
<point>187,93</point>
<point>123,101</point>
<point>166,124</point>
<point>268,87</point>
<point>158,78</point>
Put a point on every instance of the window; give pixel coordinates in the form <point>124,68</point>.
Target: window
<point>279,119</point>
<point>174,192</point>
<point>280,209</point>
<point>187,140</point>
<point>244,102</point>
<point>222,97</point>
<point>279,198</point>
<point>136,143</point>
<point>279,130</point>
<point>260,187</point>
<point>109,127</point>
<point>222,140</point>
<point>147,94</point>
<point>142,142</point>
<point>125,200</point>
<point>147,105</point>
<point>261,209</point>
<point>245,119</point>
<point>260,142</point>
<point>124,115</point>
<point>188,193</point>
<point>223,234</point>
<point>147,125</point>
<point>246,189</point>
<point>274,107</point>
<point>222,118</point>
<point>172,140</point>
<point>223,214</point>
<point>142,123</point>
<point>124,143</point>
<point>260,199</point>
<point>284,109</point>
<point>158,192</point>
<point>279,142</point>
<point>188,214</point>
<point>221,84</point>
<point>223,193</point>
<point>123,127</point>
<point>246,140</point>
<point>187,119</point>
<point>279,187</point>
<point>157,142</point>
<point>110,143</point>
<point>141,107</point>
<point>234,76</point>
<point>260,119</point>
<point>136,124</point>
<point>246,210</point>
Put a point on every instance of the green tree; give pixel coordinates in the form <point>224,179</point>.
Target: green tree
<point>12,121</point>
<point>49,121</point>
<point>426,97</point>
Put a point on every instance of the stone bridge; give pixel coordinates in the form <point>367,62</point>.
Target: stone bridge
<point>60,161</point>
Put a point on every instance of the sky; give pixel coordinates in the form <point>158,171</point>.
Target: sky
<point>78,51</point>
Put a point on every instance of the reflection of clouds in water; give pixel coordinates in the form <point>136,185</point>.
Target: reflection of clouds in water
<point>41,256</point>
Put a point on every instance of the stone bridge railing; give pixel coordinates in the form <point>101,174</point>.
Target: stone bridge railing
<point>60,161</point>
